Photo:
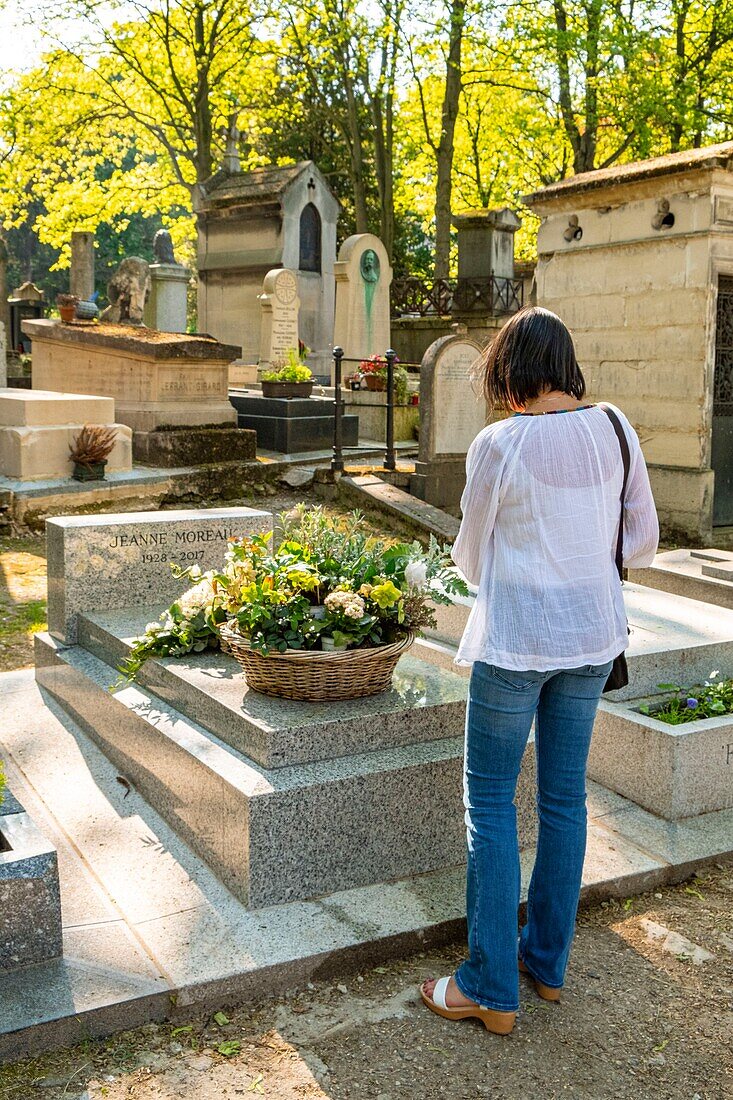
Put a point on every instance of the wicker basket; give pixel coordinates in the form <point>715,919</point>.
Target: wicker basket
<point>314,675</point>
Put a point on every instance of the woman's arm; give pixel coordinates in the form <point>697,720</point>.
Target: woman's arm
<point>641,526</point>
<point>479,504</point>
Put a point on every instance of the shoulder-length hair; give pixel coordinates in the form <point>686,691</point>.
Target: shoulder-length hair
<point>532,353</point>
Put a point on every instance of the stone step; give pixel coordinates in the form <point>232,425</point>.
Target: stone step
<point>705,575</point>
<point>282,834</point>
<point>425,703</point>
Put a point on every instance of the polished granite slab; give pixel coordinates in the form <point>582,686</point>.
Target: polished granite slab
<point>150,931</point>
<point>425,703</point>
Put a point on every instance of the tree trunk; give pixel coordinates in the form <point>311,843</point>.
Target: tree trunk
<point>444,152</point>
<point>202,101</point>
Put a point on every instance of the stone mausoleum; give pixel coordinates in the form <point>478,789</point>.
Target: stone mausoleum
<point>252,222</point>
<point>638,260</point>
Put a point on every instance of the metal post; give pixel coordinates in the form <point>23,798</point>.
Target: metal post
<point>337,462</point>
<point>389,454</point>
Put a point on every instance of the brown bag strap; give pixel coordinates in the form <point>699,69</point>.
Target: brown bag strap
<point>626,459</point>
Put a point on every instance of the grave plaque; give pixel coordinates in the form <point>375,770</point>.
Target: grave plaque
<point>452,413</point>
<point>112,561</point>
<point>279,305</point>
<point>459,413</point>
<point>363,279</point>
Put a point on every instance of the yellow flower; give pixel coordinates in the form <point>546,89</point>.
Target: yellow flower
<point>366,590</point>
<point>385,594</point>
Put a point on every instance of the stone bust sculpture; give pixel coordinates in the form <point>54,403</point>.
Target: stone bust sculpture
<point>369,266</point>
<point>163,247</point>
<point>129,289</point>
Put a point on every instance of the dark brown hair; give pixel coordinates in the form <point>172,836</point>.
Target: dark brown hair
<point>532,353</point>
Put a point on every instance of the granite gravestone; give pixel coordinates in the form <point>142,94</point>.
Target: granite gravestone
<point>114,561</point>
<point>452,413</point>
<point>166,308</point>
<point>279,306</point>
<point>363,279</point>
<point>81,276</point>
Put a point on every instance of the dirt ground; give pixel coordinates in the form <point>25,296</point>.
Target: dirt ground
<point>645,1015</point>
<point>22,599</point>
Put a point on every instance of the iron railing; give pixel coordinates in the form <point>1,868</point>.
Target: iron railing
<point>493,295</point>
<point>337,461</point>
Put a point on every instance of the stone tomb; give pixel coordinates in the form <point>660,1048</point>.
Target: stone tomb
<point>38,426</point>
<point>161,382</point>
<point>30,903</point>
<point>283,800</point>
<point>279,216</point>
<point>279,305</point>
<point>290,425</point>
<point>451,415</point>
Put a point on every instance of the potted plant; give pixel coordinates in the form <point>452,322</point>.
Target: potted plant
<point>324,615</point>
<point>374,373</point>
<point>67,304</point>
<point>289,379</point>
<point>89,452</point>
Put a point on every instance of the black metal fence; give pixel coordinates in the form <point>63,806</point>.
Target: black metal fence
<point>493,295</point>
<point>390,460</point>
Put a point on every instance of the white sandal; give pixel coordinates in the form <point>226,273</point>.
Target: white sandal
<point>500,1023</point>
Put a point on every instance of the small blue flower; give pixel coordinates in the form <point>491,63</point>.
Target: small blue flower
<point>692,703</point>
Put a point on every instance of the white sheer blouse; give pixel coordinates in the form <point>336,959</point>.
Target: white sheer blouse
<point>538,537</point>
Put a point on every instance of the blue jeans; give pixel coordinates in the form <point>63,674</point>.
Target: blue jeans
<point>502,705</point>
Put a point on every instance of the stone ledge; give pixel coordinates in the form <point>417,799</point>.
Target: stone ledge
<point>148,343</point>
<point>424,518</point>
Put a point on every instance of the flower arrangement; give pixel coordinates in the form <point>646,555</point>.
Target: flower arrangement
<point>690,704</point>
<point>376,367</point>
<point>327,580</point>
<point>292,370</point>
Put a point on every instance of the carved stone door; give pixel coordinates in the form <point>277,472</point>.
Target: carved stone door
<point>722,441</point>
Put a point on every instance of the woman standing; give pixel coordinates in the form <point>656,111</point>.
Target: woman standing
<point>540,521</point>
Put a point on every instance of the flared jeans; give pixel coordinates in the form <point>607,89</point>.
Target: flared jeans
<point>501,708</point>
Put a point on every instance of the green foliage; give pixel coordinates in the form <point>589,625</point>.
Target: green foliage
<point>690,704</point>
<point>293,370</point>
<point>115,132</point>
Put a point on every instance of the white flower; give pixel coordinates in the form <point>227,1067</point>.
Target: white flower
<point>416,574</point>
<point>714,673</point>
<point>194,572</point>
<point>153,628</point>
<point>197,597</point>
<point>347,603</point>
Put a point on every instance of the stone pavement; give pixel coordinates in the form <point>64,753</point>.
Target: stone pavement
<point>150,932</point>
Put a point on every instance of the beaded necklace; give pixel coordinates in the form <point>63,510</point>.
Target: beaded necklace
<point>554,412</point>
